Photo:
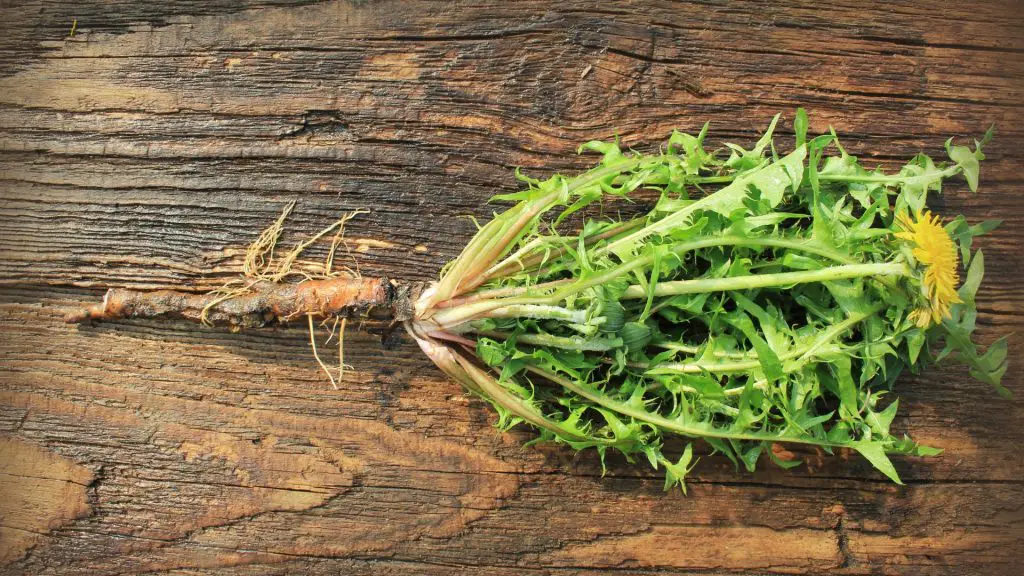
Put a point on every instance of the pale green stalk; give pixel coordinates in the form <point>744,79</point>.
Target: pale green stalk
<point>451,317</point>
<point>577,343</point>
<point>778,279</point>
<point>889,179</point>
<point>601,399</point>
<point>468,271</point>
<point>540,312</point>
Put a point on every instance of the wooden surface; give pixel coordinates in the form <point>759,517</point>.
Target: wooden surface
<point>145,149</point>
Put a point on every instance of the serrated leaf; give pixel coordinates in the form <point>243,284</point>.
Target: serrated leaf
<point>768,360</point>
<point>675,474</point>
<point>841,367</point>
<point>880,421</point>
<point>874,452</point>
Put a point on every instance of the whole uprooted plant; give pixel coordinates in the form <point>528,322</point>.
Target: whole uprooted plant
<point>763,298</point>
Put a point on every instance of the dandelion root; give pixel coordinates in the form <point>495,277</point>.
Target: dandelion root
<point>263,303</point>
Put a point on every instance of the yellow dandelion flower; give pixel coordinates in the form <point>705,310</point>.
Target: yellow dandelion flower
<point>934,250</point>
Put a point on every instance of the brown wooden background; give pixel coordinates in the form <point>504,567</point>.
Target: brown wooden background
<point>145,149</point>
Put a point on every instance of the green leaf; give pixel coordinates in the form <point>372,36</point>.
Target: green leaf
<point>967,160</point>
<point>771,327</point>
<point>992,365</point>
<point>800,127</point>
<point>492,353</point>
<point>916,179</point>
<point>874,452</point>
<point>915,341</point>
<point>768,360</point>
<point>972,281</point>
<point>771,180</point>
<point>927,451</point>
<point>745,416</point>
<point>704,385</point>
<point>722,447</point>
<point>841,366</point>
<point>741,159</point>
<point>964,235</point>
<point>675,474</point>
<point>610,150</point>
<point>692,148</point>
<point>880,421</point>
<point>750,456</point>
<point>635,335</point>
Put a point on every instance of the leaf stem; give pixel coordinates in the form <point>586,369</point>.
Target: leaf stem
<point>700,285</point>
<point>693,350</point>
<point>708,431</point>
<point>884,179</point>
<point>684,247</point>
<point>540,312</point>
<point>449,317</point>
<point>530,256</point>
<point>495,238</point>
<point>577,343</point>
<point>516,405</point>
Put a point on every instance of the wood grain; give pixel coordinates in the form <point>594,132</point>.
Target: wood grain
<point>148,148</point>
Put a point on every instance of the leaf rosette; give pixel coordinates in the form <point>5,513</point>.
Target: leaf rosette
<point>763,298</point>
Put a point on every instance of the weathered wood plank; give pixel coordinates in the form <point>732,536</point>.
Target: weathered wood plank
<point>149,147</point>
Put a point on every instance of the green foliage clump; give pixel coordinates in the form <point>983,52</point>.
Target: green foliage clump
<point>763,298</point>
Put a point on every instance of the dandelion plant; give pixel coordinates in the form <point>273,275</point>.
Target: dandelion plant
<point>763,298</point>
